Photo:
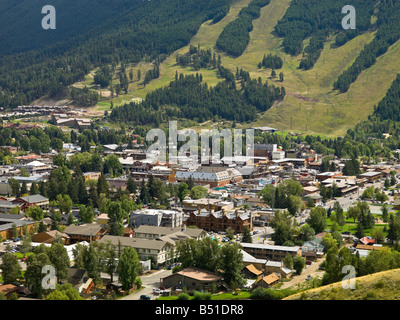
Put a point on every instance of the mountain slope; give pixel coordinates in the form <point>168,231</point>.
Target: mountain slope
<point>310,104</point>
<point>378,286</point>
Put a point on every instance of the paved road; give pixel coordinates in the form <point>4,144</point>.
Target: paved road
<point>149,282</point>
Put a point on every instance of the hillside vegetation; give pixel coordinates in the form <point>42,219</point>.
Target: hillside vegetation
<point>378,286</point>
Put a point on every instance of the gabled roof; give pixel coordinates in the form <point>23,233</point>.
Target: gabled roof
<point>32,199</point>
<point>253,269</point>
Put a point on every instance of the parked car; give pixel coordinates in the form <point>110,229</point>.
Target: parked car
<point>16,239</point>
<point>6,242</point>
<point>145,297</point>
<point>308,277</point>
<point>156,291</point>
<point>308,262</point>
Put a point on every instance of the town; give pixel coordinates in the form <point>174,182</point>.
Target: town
<point>116,224</point>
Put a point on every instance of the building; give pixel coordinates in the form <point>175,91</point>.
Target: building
<point>7,222</point>
<point>212,176</point>
<point>156,217</point>
<point>150,232</point>
<point>91,176</point>
<point>217,221</point>
<point>270,252</point>
<point>192,279</point>
<point>266,281</point>
<point>50,236</point>
<point>87,232</point>
<point>32,201</point>
<point>371,176</point>
<point>158,250</point>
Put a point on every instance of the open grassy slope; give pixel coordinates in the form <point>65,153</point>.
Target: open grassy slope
<point>378,286</point>
<point>310,104</point>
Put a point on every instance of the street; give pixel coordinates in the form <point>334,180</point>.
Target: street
<point>149,282</point>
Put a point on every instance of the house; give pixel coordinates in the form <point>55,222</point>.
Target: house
<point>270,252</point>
<point>8,289</point>
<point>278,268</point>
<point>128,232</point>
<point>150,232</point>
<point>91,176</point>
<point>32,201</point>
<point>251,272</point>
<point>220,220</point>
<point>86,232</point>
<point>7,222</point>
<point>77,277</point>
<point>158,250</point>
<point>266,281</point>
<point>50,236</point>
<point>192,279</point>
<point>103,219</point>
<point>367,241</point>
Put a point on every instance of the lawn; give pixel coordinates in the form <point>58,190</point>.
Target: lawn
<point>222,296</point>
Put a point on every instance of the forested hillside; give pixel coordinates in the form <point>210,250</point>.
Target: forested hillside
<point>388,33</point>
<point>317,19</point>
<point>187,97</point>
<point>235,37</point>
<point>151,29</point>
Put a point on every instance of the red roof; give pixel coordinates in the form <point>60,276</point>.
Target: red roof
<point>365,240</point>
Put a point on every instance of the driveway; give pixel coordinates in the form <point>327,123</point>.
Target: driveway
<point>149,283</point>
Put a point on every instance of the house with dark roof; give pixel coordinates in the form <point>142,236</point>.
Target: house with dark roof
<point>193,279</point>
<point>86,232</point>
<point>32,201</point>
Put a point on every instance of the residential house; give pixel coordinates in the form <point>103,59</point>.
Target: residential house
<point>86,232</point>
<point>192,279</point>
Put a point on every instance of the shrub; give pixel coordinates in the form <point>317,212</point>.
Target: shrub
<point>183,296</point>
<point>202,295</point>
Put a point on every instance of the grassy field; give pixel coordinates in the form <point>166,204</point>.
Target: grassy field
<point>379,286</point>
<point>310,105</point>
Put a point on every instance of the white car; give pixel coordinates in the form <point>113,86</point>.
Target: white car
<point>6,242</point>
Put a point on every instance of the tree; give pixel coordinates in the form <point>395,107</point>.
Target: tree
<point>86,214</point>
<point>385,213</point>
<point>111,264</point>
<point>26,244</point>
<point>183,191</point>
<point>328,242</point>
<point>378,235</point>
<point>59,258</point>
<point>288,261</point>
<point>198,192</point>
<point>387,183</point>
<point>232,264</point>
<point>294,204</point>
<point>64,292</point>
<point>394,229</point>
<point>33,273</point>
<point>91,261</point>
<point>34,189</point>
<point>128,267</point>
<point>298,264</point>
<point>36,213</point>
<point>246,235</point>
<point>116,215</point>
<point>15,187</point>
<point>64,203</point>
<point>317,219</point>
<point>10,269</point>
<point>131,185</point>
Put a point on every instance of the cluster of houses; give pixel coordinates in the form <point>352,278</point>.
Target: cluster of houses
<point>232,203</point>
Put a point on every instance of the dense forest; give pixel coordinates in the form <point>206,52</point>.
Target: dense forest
<point>187,97</point>
<point>388,33</point>
<point>149,30</point>
<point>235,37</point>
<point>317,19</point>
<point>271,62</point>
<point>389,107</point>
